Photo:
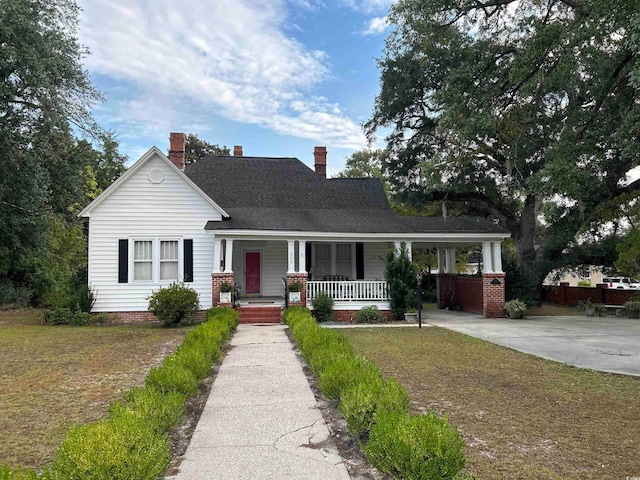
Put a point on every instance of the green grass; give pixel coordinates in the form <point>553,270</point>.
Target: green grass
<point>522,417</point>
<point>53,376</point>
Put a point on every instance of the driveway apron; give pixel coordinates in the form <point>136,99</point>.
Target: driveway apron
<point>261,420</point>
<point>608,344</point>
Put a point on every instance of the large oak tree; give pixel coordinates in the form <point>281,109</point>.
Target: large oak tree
<point>525,110</point>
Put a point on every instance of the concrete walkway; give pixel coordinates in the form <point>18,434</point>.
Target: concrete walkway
<point>261,420</point>
<point>608,344</point>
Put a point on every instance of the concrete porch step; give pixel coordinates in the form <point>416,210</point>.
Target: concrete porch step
<point>261,314</point>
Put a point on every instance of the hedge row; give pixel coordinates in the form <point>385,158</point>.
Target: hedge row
<point>133,442</point>
<point>396,442</point>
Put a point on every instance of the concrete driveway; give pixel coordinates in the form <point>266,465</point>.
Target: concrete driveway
<point>609,344</point>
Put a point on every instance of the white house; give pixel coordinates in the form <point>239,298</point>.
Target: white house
<point>260,223</point>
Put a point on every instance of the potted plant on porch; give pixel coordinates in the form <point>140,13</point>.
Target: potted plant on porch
<point>226,289</point>
<point>515,308</point>
<point>294,289</point>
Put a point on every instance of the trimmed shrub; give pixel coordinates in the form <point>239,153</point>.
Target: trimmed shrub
<point>172,377</point>
<point>370,314</point>
<point>293,314</point>
<point>9,473</point>
<point>174,305</point>
<point>344,372</point>
<point>123,447</point>
<point>322,307</point>
<point>324,355</point>
<point>162,411</point>
<point>360,403</point>
<point>416,447</point>
<point>195,360</point>
<point>67,316</point>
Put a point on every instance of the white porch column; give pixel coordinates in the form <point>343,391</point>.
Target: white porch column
<point>409,251</point>
<point>217,246</point>
<point>397,246</point>
<point>497,257</point>
<point>228,256</point>
<point>302,256</point>
<point>291,256</point>
<point>334,255</point>
<point>487,257</point>
<point>440,255</point>
<point>450,253</point>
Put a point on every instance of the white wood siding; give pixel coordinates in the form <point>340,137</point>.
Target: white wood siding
<point>273,264</point>
<point>140,208</point>
<point>374,254</point>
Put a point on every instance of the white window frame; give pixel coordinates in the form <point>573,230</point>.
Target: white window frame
<point>155,267</point>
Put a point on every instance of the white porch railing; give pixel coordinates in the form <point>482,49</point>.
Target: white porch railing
<point>349,291</point>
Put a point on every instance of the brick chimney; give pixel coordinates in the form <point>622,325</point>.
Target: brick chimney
<point>237,150</point>
<point>320,156</point>
<point>176,149</point>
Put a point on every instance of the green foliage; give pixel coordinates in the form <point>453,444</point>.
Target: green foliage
<point>515,308</point>
<point>172,376</point>
<point>344,372</point>
<point>632,308</point>
<point>9,473</point>
<point>226,287</point>
<point>417,447</point>
<point>322,307</point>
<point>123,447</point>
<point>519,283</point>
<point>584,283</point>
<point>360,403</point>
<point>174,305</point>
<point>162,411</point>
<point>295,286</point>
<point>196,148</point>
<point>66,316</point>
<point>628,261</point>
<point>520,111</point>
<point>370,314</point>
<point>292,314</point>
<point>400,275</point>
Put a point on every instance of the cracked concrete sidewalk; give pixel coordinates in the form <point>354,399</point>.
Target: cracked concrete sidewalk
<point>261,420</point>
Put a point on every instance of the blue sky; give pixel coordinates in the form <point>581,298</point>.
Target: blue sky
<point>275,76</point>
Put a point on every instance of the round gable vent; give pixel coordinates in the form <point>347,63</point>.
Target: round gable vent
<point>156,176</point>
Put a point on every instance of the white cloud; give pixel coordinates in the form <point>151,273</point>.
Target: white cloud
<point>376,26</point>
<point>228,57</point>
<point>369,7</point>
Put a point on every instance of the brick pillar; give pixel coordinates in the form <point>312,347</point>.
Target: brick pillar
<point>444,288</point>
<point>177,149</point>
<point>302,278</point>
<point>218,279</point>
<point>493,295</point>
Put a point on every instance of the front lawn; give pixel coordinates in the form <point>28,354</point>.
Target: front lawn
<point>522,417</point>
<point>52,376</point>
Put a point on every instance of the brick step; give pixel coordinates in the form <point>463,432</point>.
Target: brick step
<point>260,314</point>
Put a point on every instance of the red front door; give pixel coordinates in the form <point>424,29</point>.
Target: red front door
<point>252,272</point>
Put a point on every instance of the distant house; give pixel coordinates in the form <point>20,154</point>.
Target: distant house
<point>261,222</point>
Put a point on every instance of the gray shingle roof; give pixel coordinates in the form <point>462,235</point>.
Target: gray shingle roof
<point>284,194</point>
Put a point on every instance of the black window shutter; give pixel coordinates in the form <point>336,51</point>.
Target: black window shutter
<point>359,261</point>
<point>307,256</point>
<point>123,261</point>
<point>188,261</point>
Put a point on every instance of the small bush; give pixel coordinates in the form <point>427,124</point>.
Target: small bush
<point>196,360</point>
<point>162,411</point>
<point>360,403</point>
<point>370,314</point>
<point>174,305</point>
<point>66,316</point>
<point>322,307</point>
<point>344,372</point>
<point>632,308</point>
<point>122,448</point>
<point>324,355</point>
<point>416,447</point>
<point>293,314</point>
<point>172,377</point>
